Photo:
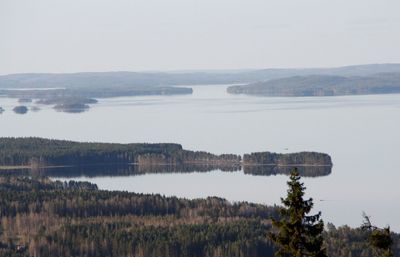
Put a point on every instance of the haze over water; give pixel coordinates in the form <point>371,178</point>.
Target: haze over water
<point>359,132</point>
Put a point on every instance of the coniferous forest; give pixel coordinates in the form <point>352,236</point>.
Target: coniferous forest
<point>40,217</point>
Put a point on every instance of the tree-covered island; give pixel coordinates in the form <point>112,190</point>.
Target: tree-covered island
<point>22,109</point>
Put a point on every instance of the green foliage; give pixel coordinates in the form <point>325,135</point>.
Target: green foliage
<point>298,234</point>
<point>242,238</point>
<point>379,238</point>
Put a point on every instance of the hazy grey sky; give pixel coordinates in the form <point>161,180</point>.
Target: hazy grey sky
<point>104,35</point>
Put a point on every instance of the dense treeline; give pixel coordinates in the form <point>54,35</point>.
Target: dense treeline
<point>237,238</point>
<point>47,152</point>
<point>40,217</point>
<point>290,159</point>
<point>45,218</point>
<point>81,199</point>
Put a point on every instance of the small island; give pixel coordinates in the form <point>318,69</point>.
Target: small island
<point>22,109</point>
<point>68,104</point>
<point>1,110</point>
<point>71,107</point>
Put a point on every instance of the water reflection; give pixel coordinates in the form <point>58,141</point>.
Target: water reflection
<point>134,170</point>
<point>305,171</point>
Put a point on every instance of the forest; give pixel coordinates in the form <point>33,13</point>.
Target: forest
<point>39,152</point>
<point>40,217</point>
<point>289,159</point>
<point>44,218</point>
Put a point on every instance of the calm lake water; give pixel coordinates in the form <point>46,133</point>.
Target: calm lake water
<point>361,133</point>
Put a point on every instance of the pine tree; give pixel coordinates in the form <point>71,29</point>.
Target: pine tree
<point>298,234</point>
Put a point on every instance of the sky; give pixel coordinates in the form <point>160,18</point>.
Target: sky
<point>165,35</point>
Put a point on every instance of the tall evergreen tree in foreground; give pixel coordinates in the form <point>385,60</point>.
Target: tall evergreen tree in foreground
<point>298,234</point>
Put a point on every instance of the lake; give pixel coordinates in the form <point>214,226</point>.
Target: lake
<point>361,133</point>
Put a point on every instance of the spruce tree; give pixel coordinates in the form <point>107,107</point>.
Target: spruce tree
<point>298,234</point>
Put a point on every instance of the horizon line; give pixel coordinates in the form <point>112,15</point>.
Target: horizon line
<point>216,70</point>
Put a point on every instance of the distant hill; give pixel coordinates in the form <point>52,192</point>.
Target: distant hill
<point>323,85</point>
<point>147,80</point>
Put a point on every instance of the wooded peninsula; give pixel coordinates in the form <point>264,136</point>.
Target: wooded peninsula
<point>36,153</point>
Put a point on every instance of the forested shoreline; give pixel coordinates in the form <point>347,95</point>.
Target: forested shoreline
<point>49,152</point>
<point>40,152</point>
